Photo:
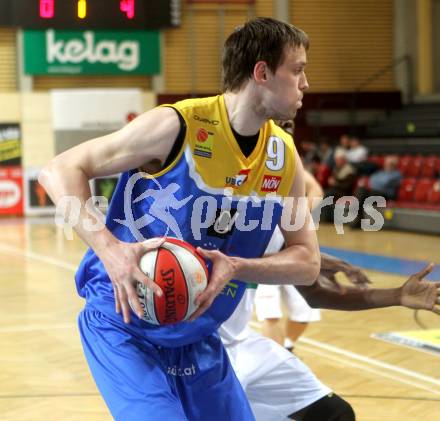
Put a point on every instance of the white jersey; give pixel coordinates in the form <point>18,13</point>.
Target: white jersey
<point>276,382</point>
<point>236,327</point>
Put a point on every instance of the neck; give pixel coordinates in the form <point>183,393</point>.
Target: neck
<point>244,116</point>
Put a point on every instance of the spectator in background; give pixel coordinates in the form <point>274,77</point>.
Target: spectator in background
<point>325,153</point>
<point>309,155</point>
<point>340,183</point>
<point>383,183</point>
<point>358,157</point>
<point>357,153</point>
<point>344,144</point>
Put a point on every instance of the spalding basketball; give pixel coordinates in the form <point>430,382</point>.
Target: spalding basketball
<point>181,273</point>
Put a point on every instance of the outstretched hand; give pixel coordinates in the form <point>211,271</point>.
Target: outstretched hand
<point>419,294</point>
<point>223,270</point>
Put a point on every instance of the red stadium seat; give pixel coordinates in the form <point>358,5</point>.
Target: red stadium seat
<point>322,175</point>
<point>415,166</point>
<point>437,167</point>
<point>429,168</point>
<point>404,164</point>
<point>434,193</point>
<point>422,188</point>
<point>363,181</point>
<point>406,190</point>
<point>377,159</point>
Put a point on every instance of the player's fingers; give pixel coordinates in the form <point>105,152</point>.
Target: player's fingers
<point>133,299</point>
<point>210,290</point>
<point>436,309</point>
<point>149,283</point>
<point>425,271</point>
<point>124,304</point>
<point>203,307</point>
<point>364,279</point>
<point>117,302</point>
<point>207,254</point>
<point>152,243</point>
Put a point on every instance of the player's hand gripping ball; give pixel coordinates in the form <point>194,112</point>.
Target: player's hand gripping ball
<point>181,272</point>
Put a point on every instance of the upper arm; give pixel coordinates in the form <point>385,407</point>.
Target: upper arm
<point>149,136</point>
<point>299,218</point>
<point>314,190</point>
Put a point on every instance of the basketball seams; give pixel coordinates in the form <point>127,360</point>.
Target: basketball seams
<point>186,278</point>
<point>179,286</point>
<point>191,249</point>
<point>191,266</point>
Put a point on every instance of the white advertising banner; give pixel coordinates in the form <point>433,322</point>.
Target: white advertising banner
<point>94,109</point>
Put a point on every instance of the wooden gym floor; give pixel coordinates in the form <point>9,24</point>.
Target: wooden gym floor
<point>43,374</point>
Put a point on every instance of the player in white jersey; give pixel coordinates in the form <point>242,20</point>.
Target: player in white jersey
<point>279,386</point>
<point>268,298</point>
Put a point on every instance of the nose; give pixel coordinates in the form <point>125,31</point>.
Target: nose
<point>304,83</point>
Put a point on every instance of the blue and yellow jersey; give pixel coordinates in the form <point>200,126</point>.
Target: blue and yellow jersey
<point>211,196</point>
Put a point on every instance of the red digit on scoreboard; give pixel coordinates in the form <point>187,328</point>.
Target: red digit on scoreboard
<point>47,9</point>
<point>127,6</point>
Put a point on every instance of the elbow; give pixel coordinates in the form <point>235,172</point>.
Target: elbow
<point>314,268</point>
<point>47,174</point>
<point>311,269</point>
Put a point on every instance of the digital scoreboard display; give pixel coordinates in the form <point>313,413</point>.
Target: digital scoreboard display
<point>90,14</point>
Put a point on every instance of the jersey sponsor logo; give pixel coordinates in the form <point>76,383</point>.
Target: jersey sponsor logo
<point>238,180</point>
<point>230,290</point>
<point>206,120</point>
<point>223,224</point>
<point>181,371</point>
<point>204,140</point>
<point>270,183</point>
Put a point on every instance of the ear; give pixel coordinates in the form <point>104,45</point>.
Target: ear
<point>261,72</point>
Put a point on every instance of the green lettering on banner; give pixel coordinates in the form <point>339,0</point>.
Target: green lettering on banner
<point>91,52</point>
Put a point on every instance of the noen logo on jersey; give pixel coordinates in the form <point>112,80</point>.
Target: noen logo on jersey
<point>270,183</point>
<point>238,180</point>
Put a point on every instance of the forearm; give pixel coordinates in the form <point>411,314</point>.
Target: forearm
<point>349,299</point>
<point>69,189</point>
<point>331,263</point>
<point>294,265</point>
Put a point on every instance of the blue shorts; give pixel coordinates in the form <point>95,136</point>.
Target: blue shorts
<point>142,381</point>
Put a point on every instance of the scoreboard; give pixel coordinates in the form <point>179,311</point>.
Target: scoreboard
<point>90,14</point>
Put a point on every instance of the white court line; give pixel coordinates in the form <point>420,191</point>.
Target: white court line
<point>34,328</point>
<point>328,348</point>
<point>371,361</point>
<point>36,256</point>
<point>346,362</point>
<point>365,360</point>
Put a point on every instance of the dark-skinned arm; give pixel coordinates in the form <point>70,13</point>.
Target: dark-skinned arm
<point>415,293</point>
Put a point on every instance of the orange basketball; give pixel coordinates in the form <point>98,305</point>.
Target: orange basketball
<point>181,273</point>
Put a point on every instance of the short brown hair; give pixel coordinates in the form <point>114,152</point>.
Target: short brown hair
<point>260,39</point>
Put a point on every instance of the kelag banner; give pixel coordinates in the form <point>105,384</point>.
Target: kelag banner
<point>10,145</point>
<point>91,52</point>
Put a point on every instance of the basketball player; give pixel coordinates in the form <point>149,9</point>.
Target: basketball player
<point>182,372</point>
<point>278,384</point>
